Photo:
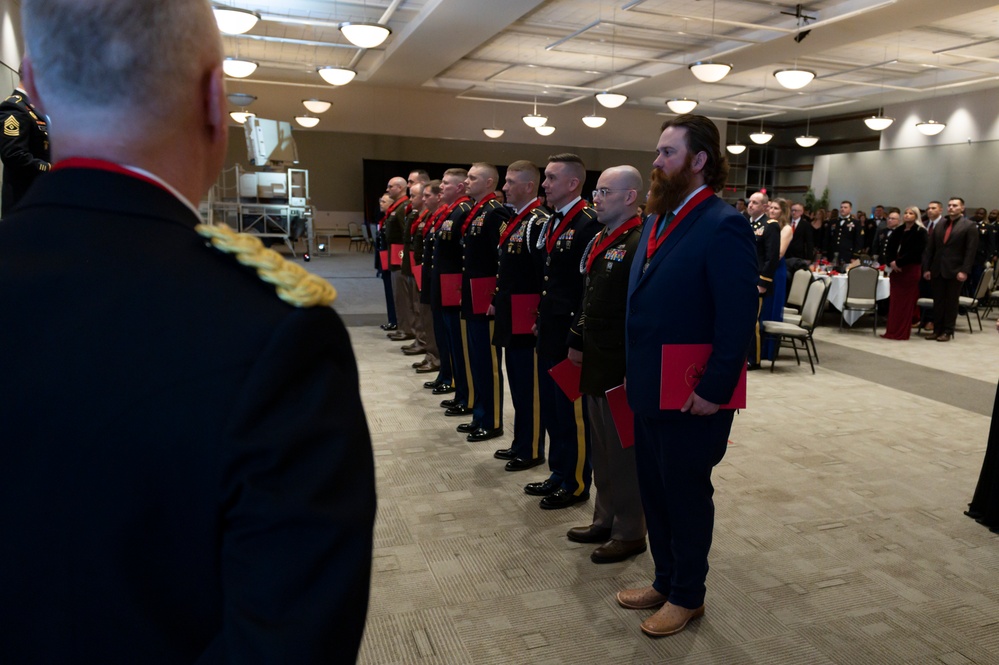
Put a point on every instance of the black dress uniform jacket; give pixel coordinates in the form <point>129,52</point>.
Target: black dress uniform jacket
<point>846,238</point>
<point>599,329</point>
<point>24,147</point>
<point>395,229</point>
<point>187,474</point>
<point>479,251</point>
<point>767,233</point>
<point>447,249</point>
<point>562,283</point>
<point>519,272</point>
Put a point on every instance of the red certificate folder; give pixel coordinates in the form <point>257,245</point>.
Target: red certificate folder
<point>483,289</point>
<point>451,289</point>
<point>682,368</point>
<point>395,252</point>
<point>566,375</point>
<point>417,269</point>
<point>383,257</point>
<point>524,311</point>
<point>624,419</point>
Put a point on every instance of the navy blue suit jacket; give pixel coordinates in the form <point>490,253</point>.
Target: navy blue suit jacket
<point>700,288</point>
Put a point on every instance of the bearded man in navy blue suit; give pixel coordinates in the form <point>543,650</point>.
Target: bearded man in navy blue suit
<point>693,282</point>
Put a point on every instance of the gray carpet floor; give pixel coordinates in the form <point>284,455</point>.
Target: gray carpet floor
<point>839,534</point>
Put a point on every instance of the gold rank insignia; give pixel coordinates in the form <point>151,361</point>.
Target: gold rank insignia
<point>11,127</point>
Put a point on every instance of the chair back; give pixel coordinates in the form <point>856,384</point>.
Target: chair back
<point>366,233</point>
<point>984,284</point>
<point>862,282</point>
<point>799,287</point>
<point>815,301</point>
<point>353,230</point>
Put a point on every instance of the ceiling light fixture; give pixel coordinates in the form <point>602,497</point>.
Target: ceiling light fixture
<point>365,35</point>
<point>880,121</point>
<point>241,98</point>
<point>336,75</point>
<point>736,148</point>
<point>594,121</point>
<point>306,120</point>
<point>610,100</point>
<point>533,119</point>
<point>240,116</point>
<point>237,68</point>
<point>545,130</point>
<point>807,141</point>
<point>760,137</point>
<point>706,70</point>
<point>316,105</point>
<point>930,127</point>
<point>492,132</point>
<point>681,106</point>
<point>794,79</point>
<point>234,21</point>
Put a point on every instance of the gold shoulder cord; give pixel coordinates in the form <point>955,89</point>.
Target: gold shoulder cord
<point>295,285</point>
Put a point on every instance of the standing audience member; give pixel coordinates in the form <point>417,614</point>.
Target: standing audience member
<point>801,252</point>
<point>187,474</point>
<point>947,260</point>
<point>767,233</point>
<point>984,506</point>
<point>846,237</point>
<point>772,308</point>
<point>692,234</point>
<point>597,345</point>
<point>904,255</point>
<point>24,146</point>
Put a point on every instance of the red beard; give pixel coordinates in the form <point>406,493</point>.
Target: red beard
<point>666,192</point>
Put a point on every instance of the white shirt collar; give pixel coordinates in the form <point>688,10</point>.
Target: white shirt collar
<point>165,185</point>
<point>566,208</point>
<point>689,196</point>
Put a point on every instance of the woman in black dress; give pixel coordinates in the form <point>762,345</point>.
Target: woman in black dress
<point>984,507</point>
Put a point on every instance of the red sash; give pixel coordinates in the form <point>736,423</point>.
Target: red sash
<point>416,222</point>
<point>513,223</point>
<point>604,243</point>
<point>435,221</point>
<point>478,206</point>
<point>449,210</point>
<point>552,235</point>
<point>655,242</point>
<point>390,210</point>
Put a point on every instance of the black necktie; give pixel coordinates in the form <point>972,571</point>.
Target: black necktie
<point>664,223</point>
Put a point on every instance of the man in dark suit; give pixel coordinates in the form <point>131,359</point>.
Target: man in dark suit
<point>692,233</point>
<point>947,261</point>
<point>24,146</point>
<point>801,252</point>
<point>187,474</point>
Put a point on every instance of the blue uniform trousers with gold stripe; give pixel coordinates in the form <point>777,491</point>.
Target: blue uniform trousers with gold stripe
<point>444,375</point>
<point>487,374</point>
<point>454,334</point>
<point>522,377</point>
<point>568,431</point>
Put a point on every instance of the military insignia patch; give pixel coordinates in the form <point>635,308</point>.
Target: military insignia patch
<point>11,127</point>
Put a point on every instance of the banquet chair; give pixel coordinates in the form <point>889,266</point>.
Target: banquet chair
<point>796,296</point>
<point>982,294</point>
<point>815,300</point>
<point>861,293</point>
<point>355,235</point>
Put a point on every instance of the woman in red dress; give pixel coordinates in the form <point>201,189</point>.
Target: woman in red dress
<point>905,256</point>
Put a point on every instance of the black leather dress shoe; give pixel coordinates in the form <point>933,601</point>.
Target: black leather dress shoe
<point>458,410</point>
<point>588,534</point>
<point>562,498</point>
<point>448,403</point>
<point>504,453</point>
<point>467,428</point>
<point>617,550</point>
<point>483,434</point>
<point>431,384</point>
<point>519,464</point>
<point>544,488</point>
<point>444,389</point>
<point>388,326</point>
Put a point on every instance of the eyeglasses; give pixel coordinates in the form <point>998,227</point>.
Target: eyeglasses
<point>604,191</point>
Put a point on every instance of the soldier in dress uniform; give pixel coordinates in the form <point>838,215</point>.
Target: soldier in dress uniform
<point>409,298</point>
<point>423,250</point>
<point>446,268</point>
<point>846,236</point>
<point>24,146</point>
<point>519,273</point>
<point>597,345</point>
<point>767,234</point>
<point>563,240</point>
<point>986,250</point>
<point>480,235</point>
<point>393,226</point>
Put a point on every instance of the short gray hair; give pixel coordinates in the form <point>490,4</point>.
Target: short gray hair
<point>118,56</point>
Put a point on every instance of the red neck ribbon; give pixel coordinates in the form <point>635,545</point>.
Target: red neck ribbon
<point>390,210</point>
<point>435,221</point>
<point>603,243</point>
<point>553,232</point>
<point>416,222</point>
<point>478,206</point>
<point>450,209</point>
<point>655,242</point>
<point>515,222</point>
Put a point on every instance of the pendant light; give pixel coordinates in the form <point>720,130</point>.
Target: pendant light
<point>533,119</point>
<point>612,100</point>
<point>237,68</point>
<point>492,132</point>
<point>241,116</point>
<point>240,98</point>
<point>593,120</point>
<point>880,121</point>
<point>306,120</point>
<point>681,106</point>
<point>545,130</point>
<point>336,75</point>
<point>931,127</point>
<point>807,141</point>
<point>707,70</point>
<point>233,21</point>
<point>365,35</point>
<point>736,148</point>
<point>316,105</point>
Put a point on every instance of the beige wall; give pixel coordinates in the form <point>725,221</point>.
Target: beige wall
<point>334,160</point>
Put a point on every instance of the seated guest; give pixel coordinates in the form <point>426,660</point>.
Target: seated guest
<point>904,255</point>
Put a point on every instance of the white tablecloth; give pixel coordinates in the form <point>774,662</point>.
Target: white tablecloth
<point>837,296</point>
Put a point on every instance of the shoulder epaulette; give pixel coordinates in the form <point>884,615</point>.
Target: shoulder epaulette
<point>295,285</point>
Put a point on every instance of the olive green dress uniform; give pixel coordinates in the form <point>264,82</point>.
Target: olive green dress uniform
<point>599,332</point>
<point>24,147</point>
<point>395,235</point>
<point>767,234</point>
